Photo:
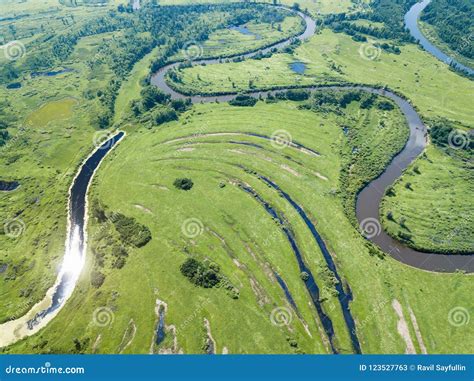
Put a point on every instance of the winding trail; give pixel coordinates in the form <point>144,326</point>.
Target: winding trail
<point>369,199</point>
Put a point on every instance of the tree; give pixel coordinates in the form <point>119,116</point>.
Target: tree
<point>183,183</point>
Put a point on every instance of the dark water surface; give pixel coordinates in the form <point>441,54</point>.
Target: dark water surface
<point>75,243</point>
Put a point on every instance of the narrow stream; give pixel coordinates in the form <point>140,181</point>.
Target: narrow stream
<point>310,283</point>
<point>344,297</point>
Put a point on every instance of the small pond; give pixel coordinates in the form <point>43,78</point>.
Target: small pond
<point>244,30</point>
<point>14,85</point>
<point>7,186</point>
<point>298,67</point>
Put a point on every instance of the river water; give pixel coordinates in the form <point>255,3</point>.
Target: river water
<point>411,23</point>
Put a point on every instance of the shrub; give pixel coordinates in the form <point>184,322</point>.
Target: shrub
<point>385,105</point>
<point>200,274</point>
<point>243,100</point>
<point>183,183</point>
<point>97,279</point>
<point>297,94</point>
<point>131,231</point>
<point>404,236</point>
<point>164,116</point>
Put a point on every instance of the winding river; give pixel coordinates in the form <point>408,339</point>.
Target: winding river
<point>411,23</point>
<point>73,261</point>
<point>368,203</point>
<point>369,199</point>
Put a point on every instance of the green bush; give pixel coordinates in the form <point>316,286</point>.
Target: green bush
<point>200,274</point>
<point>97,279</point>
<point>183,183</point>
<point>243,100</point>
<point>131,232</point>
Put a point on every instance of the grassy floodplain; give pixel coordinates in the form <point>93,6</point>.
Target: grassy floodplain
<point>217,222</point>
<point>432,202</point>
<point>228,42</point>
<point>334,58</point>
<point>148,162</point>
<point>52,124</point>
<point>53,135</point>
<point>314,7</point>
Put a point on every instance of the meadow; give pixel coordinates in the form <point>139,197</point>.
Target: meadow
<point>225,221</point>
<point>432,203</point>
<point>228,231</point>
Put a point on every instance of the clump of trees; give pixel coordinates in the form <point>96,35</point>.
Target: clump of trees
<point>389,12</point>
<point>163,109</point>
<point>453,22</point>
<point>131,232</point>
<point>243,100</point>
<point>183,183</point>
<point>201,274</point>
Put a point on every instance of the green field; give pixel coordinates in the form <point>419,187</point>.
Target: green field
<point>335,58</point>
<point>227,42</point>
<point>225,220</point>
<point>433,200</point>
<point>230,234</point>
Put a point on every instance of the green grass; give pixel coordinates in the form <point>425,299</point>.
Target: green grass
<point>227,42</point>
<point>333,58</point>
<point>51,136</point>
<point>437,207</point>
<point>136,180</point>
<point>51,112</point>
<point>315,7</point>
